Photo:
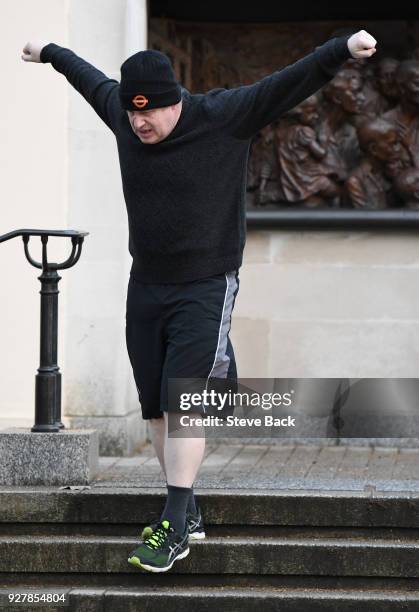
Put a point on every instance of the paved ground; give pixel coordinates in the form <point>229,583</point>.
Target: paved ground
<point>273,466</point>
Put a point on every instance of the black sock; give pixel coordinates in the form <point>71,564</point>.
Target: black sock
<point>175,508</point>
<point>191,507</point>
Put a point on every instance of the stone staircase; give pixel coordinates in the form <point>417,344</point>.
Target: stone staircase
<point>283,549</point>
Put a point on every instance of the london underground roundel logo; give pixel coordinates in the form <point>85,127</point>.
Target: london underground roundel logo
<point>140,101</point>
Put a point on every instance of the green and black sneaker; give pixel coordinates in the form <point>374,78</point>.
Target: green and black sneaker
<point>161,549</point>
<point>195,524</point>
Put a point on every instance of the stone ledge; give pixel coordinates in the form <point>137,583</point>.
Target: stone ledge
<point>69,457</point>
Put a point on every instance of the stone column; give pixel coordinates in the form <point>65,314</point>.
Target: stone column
<point>99,389</point>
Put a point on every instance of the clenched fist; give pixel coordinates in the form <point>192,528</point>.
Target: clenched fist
<point>361,44</point>
<point>32,51</point>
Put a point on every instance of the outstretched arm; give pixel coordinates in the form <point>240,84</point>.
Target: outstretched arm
<point>243,111</point>
<point>99,91</point>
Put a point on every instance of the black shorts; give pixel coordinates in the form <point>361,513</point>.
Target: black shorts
<point>179,331</point>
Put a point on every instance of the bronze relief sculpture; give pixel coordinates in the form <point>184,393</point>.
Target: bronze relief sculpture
<point>304,176</point>
<point>407,186</point>
<point>354,144</point>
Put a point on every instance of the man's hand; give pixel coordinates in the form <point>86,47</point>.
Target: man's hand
<point>361,44</point>
<point>32,51</point>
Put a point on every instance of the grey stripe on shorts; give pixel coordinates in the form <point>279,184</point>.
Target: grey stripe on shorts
<point>222,360</point>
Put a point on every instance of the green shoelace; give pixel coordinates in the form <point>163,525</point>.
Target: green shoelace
<point>158,536</point>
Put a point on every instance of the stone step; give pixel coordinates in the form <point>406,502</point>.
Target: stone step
<point>245,600</point>
<point>321,552</point>
<point>115,530</point>
<point>282,596</point>
<point>129,506</point>
<point>140,579</point>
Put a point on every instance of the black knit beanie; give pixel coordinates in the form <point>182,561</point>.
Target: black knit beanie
<point>148,81</point>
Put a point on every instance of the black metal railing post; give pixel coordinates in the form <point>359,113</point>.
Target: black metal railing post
<point>48,377</point>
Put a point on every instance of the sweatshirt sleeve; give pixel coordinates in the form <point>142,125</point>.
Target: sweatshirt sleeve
<point>99,91</point>
<point>244,110</point>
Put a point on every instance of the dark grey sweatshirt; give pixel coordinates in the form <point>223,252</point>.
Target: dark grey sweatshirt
<point>185,195</point>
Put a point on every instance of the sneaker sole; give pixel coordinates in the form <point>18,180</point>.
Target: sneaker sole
<point>199,535</point>
<point>150,568</point>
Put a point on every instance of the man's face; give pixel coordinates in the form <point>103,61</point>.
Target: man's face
<point>154,125</point>
<point>309,115</point>
<point>385,78</point>
<point>412,183</point>
<point>410,86</point>
<point>352,97</point>
<point>387,148</point>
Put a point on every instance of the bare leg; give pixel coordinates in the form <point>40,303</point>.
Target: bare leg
<point>183,455</point>
<point>157,435</point>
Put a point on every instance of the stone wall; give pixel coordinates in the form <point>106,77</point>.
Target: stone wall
<point>328,304</point>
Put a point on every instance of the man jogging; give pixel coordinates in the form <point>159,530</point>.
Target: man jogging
<point>183,161</point>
